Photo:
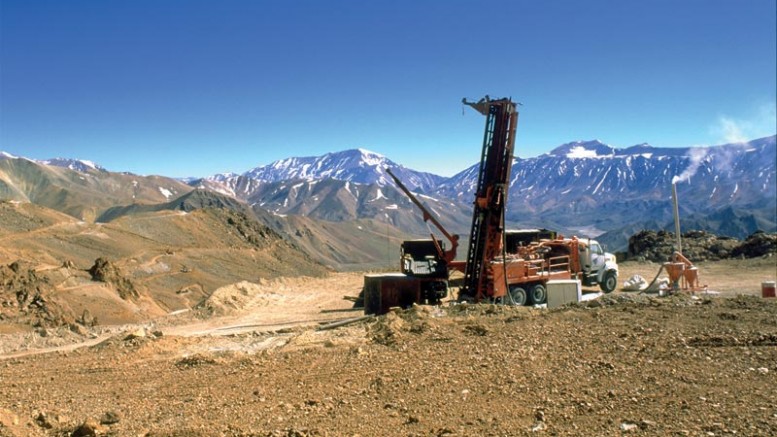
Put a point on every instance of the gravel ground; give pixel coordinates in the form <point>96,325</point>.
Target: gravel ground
<point>622,364</point>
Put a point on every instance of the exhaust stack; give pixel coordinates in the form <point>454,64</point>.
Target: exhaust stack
<point>678,246</point>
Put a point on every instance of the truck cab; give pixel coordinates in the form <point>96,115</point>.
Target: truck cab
<point>420,259</point>
<point>597,266</point>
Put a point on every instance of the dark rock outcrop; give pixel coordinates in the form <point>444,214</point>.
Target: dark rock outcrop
<point>105,271</point>
<point>658,246</point>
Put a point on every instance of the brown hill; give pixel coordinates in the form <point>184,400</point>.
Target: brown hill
<point>172,259</point>
<point>349,245</point>
<point>81,194</point>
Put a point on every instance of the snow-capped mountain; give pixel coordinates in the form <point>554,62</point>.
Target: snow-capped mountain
<point>593,169</point>
<point>340,186</point>
<point>79,165</point>
<point>586,187</point>
<point>583,149</point>
<point>335,201</point>
<point>357,165</point>
<point>582,187</point>
<point>595,187</point>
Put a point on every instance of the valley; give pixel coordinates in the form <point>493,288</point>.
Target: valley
<point>135,305</point>
<point>375,218</point>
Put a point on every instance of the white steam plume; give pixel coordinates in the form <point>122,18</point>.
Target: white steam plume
<point>695,155</point>
<point>731,130</point>
<point>759,123</point>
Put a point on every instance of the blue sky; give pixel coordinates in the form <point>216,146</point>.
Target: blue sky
<point>192,88</point>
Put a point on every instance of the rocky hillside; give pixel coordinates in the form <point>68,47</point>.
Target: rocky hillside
<point>700,246</point>
<point>191,201</point>
<point>83,192</point>
<point>148,262</point>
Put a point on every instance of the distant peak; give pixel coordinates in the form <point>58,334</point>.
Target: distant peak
<point>7,155</point>
<point>583,149</point>
<point>372,158</point>
<point>369,152</point>
<point>81,165</point>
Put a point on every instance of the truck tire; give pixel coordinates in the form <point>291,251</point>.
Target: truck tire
<point>518,295</point>
<point>538,294</point>
<point>609,281</point>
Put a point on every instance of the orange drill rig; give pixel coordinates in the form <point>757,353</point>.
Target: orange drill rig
<point>490,272</point>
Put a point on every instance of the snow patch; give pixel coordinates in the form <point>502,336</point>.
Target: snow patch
<point>348,189</point>
<point>581,152</point>
<point>378,195</point>
<point>371,158</point>
<point>165,192</point>
<point>88,163</point>
<point>423,196</point>
<point>602,181</point>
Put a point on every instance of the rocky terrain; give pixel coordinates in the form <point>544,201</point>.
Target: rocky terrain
<point>161,310</point>
<point>54,269</point>
<point>621,364</point>
<point>658,246</point>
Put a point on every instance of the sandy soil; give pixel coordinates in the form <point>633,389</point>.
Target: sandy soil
<point>251,361</point>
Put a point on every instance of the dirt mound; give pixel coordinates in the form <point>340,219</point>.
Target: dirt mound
<point>757,244</point>
<point>394,327</point>
<point>26,298</point>
<point>658,246</point>
<point>105,271</point>
<point>238,297</point>
<point>388,329</point>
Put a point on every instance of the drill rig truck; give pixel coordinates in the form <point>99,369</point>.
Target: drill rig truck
<point>492,272</point>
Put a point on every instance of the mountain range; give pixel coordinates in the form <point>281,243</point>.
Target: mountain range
<point>582,187</point>
<point>585,188</point>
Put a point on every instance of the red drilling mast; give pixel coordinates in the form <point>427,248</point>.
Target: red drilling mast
<point>488,227</point>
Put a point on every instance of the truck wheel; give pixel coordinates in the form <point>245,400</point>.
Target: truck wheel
<point>609,282</point>
<point>538,294</point>
<point>519,295</point>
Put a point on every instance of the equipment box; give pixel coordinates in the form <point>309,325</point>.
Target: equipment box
<point>563,291</point>
<point>381,292</point>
